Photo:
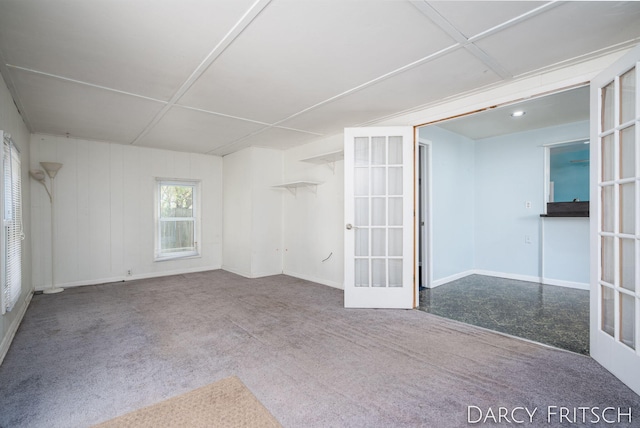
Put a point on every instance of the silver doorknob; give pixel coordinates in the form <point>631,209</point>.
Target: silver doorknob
<point>349,226</point>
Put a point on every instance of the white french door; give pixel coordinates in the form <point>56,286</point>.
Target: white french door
<point>379,241</point>
<point>615,219</point>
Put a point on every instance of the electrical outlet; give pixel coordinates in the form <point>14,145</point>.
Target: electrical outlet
<point>128,272</point>
<point>527,239</point>
<point>527,204</point>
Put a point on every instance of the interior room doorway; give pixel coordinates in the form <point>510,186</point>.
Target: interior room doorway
<point>489,254</point>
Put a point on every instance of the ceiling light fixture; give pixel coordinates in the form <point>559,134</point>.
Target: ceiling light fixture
<point>517,113</point>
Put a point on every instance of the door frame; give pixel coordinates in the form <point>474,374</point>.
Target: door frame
<point>422,202</point>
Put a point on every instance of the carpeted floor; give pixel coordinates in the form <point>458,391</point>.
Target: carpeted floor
<point>92,353</point>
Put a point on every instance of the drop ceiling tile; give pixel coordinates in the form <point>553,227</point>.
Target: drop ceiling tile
<point>60,107</point>
<point>474,17</point>
<point>564,32</point>
<point>146,47</point>
<point>298,53</point>
<point>272,138</point>
<point>451,74</point>
<point>195,131</point>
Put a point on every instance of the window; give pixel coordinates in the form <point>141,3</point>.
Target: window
<point>567,179</point>
<point>177,214</point>
<point>12,219</point>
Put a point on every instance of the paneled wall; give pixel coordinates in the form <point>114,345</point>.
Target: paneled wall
<point>313,227</point>
<point>104,211</point>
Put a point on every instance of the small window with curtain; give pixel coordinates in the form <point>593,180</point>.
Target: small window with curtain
<point>177,219</point>
<point>12,219</point>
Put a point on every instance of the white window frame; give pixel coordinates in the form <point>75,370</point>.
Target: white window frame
<point>12,232</point>
<point>547,166</point>
<point>159,255</point>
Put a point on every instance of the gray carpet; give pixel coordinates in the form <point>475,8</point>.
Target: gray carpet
<point>92,353</point>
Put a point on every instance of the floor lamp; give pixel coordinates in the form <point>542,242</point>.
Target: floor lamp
<point>38,175</point>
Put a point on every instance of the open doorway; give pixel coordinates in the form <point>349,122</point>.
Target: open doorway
<point>493,256</point>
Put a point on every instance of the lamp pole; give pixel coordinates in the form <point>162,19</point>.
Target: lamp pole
<point>52,169</point>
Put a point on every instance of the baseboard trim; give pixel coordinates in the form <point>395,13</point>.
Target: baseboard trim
<point>13,328</point>
<point>133,277</point>
<point>250,275</point>
<point>451,278</point>
<point>326,282</point>
<point>517,277</point>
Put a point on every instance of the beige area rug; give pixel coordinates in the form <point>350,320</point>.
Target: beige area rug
<point>226,403</point>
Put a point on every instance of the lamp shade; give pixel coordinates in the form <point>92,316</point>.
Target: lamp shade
<point>51,168</point>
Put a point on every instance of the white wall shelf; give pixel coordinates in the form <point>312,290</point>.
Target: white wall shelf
<point>328,159</point>
<point>294,185</point>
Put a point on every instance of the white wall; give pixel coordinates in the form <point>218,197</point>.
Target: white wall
<point>11,122</point>
<point>314,222</point>
<point>453,207</point>
<point>253,212</point>
<point>104,202</point>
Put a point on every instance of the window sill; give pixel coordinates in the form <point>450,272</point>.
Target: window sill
<point>567,209</point>
<point>180,256</point>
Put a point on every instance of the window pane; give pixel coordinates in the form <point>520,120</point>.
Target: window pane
<point>362,211</point>
<point>628,96</point>
<point>607,259</point>
<point>628,264</point>
<point>379,273</point>
<point>176,236</point>
<point>607,107</point>
<point>361,182</point>
<point>395,150</point>
<point>395,273</point>
<point>176,201</point>
<point>607,158</point>
<point>362,242</point>
<point>395,211</point>
<point>607,310</point>
<point>378,242</point>
<point>362,272</point>
<point>395,180</point>
<point>378,150</point>
<point>628,152</point>
<point>361,145</point>
<point>395,242</point>
<point>628,208</point>
<point>378,212</point>
<point>607,209</point>
<point>378,178</point>
<point>627,320</point>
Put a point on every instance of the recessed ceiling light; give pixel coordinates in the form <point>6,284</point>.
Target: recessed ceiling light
<point>517,113</point>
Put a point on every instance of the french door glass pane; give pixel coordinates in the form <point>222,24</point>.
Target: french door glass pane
<point>627,320</point>
<point>378,242</point>
<point>378,178</point>
<point>628,96</point>
<point>361,211</point>
<point>607,158</point>
<point>378,212</point>
<point>607,209</point>
<point>395,150</point>
<point>378,151</point>
<point>395,242</point>
<point>395,180</point>
<point>362,242</point>
<point>628,208</point>
<point>361,145</point>
<point>361,182</point>
<point>395,211</point>
<point>379,273</point>
<point>608,315</point>
<point>395,272</point>
<point>607,259</point>
<point>628,264</point>
<point>607,107</point>
<point>362,272</point>
<point>628,152</point>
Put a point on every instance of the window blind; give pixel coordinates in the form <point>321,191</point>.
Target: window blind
<point>13,233</point>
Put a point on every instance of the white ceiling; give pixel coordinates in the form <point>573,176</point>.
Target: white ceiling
<point>215,76</point>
